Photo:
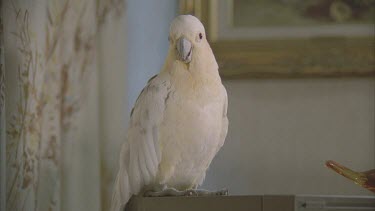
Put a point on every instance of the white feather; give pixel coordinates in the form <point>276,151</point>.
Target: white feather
<point>141,149</point>
<point>178,123</point>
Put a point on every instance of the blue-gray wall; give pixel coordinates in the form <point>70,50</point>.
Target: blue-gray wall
<point>148,28</point>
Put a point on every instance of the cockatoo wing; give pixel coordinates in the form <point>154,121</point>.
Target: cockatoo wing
<point>140,154</point>
<point>224,128</point>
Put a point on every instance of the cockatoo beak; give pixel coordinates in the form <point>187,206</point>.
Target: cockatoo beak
<point>184,49</point>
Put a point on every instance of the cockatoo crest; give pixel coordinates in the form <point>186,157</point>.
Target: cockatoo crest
<point>189,27</point>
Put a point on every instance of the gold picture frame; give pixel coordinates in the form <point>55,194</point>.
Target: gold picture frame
<point>321,56</point>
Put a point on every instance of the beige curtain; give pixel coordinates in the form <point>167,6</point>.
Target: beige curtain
<point>59,146</point>
<point>2,116</point>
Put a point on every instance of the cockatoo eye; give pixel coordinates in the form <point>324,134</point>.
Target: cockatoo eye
<point>199,37</point>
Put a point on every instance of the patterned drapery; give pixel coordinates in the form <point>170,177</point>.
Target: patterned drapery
<point>52,91</point>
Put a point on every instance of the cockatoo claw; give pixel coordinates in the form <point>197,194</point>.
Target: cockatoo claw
<point>223,192</point>
<point>164,192</point>
<point>189,192</point>
<point>202,192</point>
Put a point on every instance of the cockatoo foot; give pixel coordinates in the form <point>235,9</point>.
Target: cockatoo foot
<point>164,192</point>
<point>223,192</point>
<point>189,192</point>
<point>202,192</point>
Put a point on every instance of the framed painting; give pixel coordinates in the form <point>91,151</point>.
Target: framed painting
<point>289,38</point>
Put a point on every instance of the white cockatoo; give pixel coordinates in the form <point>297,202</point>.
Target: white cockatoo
<point>179,121</point>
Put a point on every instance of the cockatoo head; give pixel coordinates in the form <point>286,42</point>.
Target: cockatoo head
<point>187,37</point>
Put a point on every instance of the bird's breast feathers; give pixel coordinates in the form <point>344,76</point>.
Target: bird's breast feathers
<point>191,132</point>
